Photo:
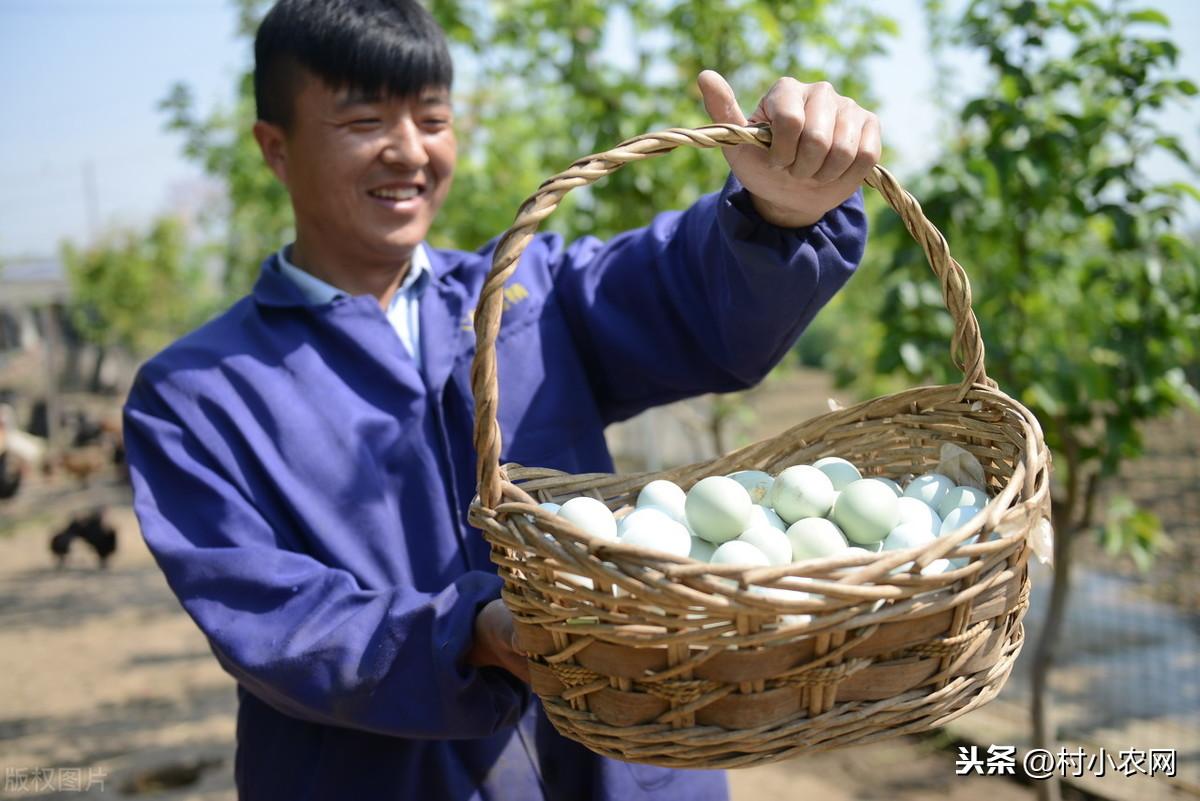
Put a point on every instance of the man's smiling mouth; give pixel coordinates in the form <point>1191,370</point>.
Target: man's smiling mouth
<point>396,193</point>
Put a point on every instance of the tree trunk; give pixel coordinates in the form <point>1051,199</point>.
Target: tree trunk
<point>1044,733</point>
<point>97,367</point>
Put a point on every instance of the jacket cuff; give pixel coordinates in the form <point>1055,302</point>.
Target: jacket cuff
<point>739,220</point>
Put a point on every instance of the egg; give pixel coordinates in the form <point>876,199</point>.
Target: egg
<point>956,519</point>
<point>907,535</point>
<point>701,550</point>
<point>665,495</point>
<point>738,552</point>
<point>756,483</point>
<point>718,509</point>
<point>801,491</point>
<point>840,472</point>
<point>892,485</point>
<point>814,538</point>
<point>668,536</point>
<point>550,507</point>
<point>765,516</point>
<point>912,510</point>
<point>930,488</point>
<point>771,541</point>
<point>644,515</point>
<point>590,515</point>
<point>866,511</point>
<point>936,567</point>
<point>962,496</point>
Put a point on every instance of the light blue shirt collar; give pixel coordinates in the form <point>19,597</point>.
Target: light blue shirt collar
<point>318,292</point>
<point>404,311</point>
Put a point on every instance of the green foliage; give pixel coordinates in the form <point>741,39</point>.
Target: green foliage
<point>548,82</point>
<point>136,290</point>
<point>1085,288</point>
<point>1133,531</point>
<point>541,83</point>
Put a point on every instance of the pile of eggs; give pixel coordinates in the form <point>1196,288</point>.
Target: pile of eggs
<point>751,518</point>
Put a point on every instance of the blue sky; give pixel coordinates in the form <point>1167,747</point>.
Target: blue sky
<point>80,81</point>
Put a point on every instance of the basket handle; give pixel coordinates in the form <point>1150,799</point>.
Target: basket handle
<point>966,345</point>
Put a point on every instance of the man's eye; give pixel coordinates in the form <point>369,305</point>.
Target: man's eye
<point>365,122</point>
<point>436,122</point>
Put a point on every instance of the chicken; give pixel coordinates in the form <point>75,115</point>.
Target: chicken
<point>26,448</point>
<point>98,534</point>
<point>60,543</point>
<point>83,463</point>
<point>90,528</point>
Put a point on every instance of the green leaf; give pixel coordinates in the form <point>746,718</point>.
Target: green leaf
<point>1149,16</point>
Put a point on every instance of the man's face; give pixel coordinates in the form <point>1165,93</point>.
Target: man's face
<point>367,176</point>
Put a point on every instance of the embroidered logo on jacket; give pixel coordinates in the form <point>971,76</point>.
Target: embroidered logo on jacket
<point>514,293</point>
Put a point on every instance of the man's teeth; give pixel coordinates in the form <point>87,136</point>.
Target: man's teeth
<point>397,194</point>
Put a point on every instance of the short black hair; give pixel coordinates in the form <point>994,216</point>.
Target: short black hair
<point>381,48</point>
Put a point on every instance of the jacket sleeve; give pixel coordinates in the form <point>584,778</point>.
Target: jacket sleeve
<point>302,636</point>
<point>704,300</point>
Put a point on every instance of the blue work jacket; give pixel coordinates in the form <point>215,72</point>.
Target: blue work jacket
<point>304,488</point>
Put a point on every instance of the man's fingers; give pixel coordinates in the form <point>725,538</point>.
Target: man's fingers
<point>870,149</point>
<point>820,112</point>
<point>844,150</point>
<point>783,107</point>
<point>719,100</point>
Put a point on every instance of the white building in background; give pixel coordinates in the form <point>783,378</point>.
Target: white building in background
<point>30,291</point>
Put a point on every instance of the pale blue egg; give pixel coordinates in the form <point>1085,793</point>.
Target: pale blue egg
<point>756,483</point>
<point>907,535</point>
<point>866,511</point>
<point>590,515</point>
<point>917,512</point>
<point>815,538</point>
<point>930,488</point>
<point>665,495</point>
<point>701,550</point>
<point>771,541</point>
<point>670,537</point>
<point>892,485</point>
<point>801,491</point>
<point>765,516</point>
<point>737,552</point>
<point>650,515</point>
<point>962,496</point>
<point>718,509</point>
<point>841,473</point>
<point>958,517</point>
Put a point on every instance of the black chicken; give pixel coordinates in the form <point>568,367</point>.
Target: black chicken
<point>90,528</point>
<point>101,536</point>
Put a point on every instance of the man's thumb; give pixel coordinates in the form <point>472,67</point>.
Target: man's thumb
<point>719,100</point>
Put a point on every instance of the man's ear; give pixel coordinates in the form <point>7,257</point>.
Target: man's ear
<point>272,141</point>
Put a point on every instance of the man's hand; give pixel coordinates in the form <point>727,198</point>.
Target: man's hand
<point>823,146</point>
<point>495,641</point>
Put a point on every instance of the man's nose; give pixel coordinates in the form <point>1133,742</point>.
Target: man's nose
<point>404,146</point>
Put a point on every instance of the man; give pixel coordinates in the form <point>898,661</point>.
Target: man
<point>303,464</point>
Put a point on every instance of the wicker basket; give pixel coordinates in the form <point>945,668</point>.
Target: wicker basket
<point>681,667</point>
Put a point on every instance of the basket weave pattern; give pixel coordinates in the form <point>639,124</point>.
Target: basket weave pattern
<point>656,659</point>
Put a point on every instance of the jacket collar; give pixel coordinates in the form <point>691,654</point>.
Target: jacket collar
<point>282,284</point>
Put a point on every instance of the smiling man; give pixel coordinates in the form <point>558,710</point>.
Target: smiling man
<point>302,465</point>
